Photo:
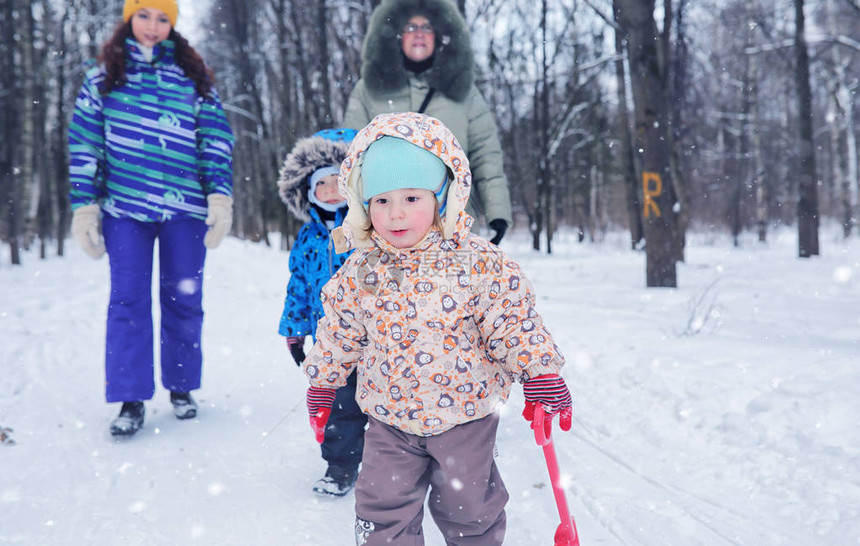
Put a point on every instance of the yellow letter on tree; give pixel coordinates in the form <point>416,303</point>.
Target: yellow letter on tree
<point>652,186</point>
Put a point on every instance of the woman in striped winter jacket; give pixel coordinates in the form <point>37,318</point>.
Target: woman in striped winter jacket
<point>150,158</point>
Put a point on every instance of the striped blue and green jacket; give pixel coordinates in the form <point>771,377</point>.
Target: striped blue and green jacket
<point>152,149</point>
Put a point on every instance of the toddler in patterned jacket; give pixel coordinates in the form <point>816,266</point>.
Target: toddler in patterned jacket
<point>438,323</point>
<point>308,186</point>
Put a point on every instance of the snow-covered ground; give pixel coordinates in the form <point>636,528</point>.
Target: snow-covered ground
<point>726,411</point>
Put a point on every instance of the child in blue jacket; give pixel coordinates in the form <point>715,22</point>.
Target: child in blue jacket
<point>308,186</point>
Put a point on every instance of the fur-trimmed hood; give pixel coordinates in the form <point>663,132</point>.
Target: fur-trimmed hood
<point>308,155</point>
<point>421,130</point>
<point>382,68</point>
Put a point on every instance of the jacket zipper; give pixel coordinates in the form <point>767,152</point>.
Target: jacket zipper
<point>330,256</point>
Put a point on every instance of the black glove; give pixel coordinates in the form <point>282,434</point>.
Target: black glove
<point>296,345</point>
<point>501,227</point>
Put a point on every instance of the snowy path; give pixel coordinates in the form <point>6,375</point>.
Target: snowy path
<point>743,430</point>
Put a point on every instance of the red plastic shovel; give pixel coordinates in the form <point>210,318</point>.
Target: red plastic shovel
<point>566,534</point>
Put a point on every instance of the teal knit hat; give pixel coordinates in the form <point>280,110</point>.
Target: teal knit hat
<point>392,163</point>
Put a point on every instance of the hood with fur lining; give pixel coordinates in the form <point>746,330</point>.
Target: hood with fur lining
<point>421,130</point>
<point>382,68</point>
<point>308,155</point>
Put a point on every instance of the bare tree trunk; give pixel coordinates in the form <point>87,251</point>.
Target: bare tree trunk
<point>807,204</point>
<point>595,204</point>
<point>852,178</point>
<point>634,201</point>
<point>659,200</point>
<point>761,209</point>
<point>676,89</point>
<point>838,177</point>
<point>45,211</point>
<point>255,169</point>
<point>761,203</point>
<point>40,214</point>
<point>28,183</point>
<point>7,115</point>
<point>11,172</point>
<point>736,192</point>
<point>304,88</point>
<point>841,111</point>
<point>745,172</point>
<point>515,164</point>
<point>507,102</point>
<point>326,118</point>
<point>536,226</point>
<point>60,154</point>
<point>285,96</point>
<point>723,168</point>
<point>545,186</point>
<point>93,25</point>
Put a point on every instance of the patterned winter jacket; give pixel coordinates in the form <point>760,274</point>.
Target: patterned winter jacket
<point>439,331</point>
<point>152,149</point>
<point>313,259</point>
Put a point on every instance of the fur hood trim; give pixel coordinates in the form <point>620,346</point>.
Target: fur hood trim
<point>421,130</point>
<point>452,70</point>
<point>308,155</point>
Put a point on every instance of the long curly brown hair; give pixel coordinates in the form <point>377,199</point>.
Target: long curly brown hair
<point>112,57</point>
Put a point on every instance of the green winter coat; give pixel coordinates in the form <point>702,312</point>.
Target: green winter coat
<point>386,86</point>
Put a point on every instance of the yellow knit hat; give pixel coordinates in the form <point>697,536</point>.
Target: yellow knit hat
<point>170,7</point>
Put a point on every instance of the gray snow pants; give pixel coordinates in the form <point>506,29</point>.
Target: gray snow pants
<point>467,495</point>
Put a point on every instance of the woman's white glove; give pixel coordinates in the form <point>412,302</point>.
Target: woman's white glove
<point>220,219</point>
<point>86,230</point>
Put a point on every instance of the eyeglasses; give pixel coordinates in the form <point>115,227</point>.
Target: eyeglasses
<point>412,28</point>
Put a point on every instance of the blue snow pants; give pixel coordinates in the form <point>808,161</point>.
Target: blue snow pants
<point>344,432</point>
<point>129,359</point>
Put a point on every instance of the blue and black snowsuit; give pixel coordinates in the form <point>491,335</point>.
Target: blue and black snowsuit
<point>313,261</point>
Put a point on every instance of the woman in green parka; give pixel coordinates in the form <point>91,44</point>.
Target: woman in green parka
<point>417,57</point>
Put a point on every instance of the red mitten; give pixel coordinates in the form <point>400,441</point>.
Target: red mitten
<point>550,392</point>
<point>320,401</point>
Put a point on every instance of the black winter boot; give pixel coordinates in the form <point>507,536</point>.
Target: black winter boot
<point>338,481</point>
<point>129,420</point>
<point>184,407</point>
